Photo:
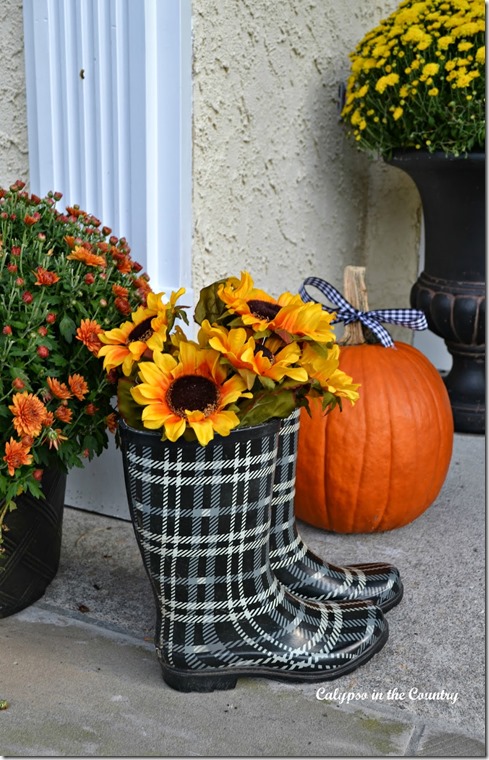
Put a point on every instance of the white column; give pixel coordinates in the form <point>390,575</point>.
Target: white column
<point>109,122</point>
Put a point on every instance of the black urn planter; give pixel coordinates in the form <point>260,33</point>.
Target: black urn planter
<point>32,545</point>
<point>451,289</point>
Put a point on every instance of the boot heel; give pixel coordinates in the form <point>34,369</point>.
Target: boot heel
<point>183,680</point>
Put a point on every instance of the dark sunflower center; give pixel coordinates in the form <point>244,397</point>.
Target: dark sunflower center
<point>192,392</point>
<point>143,331</point>
<point>263,309</point>
<point>266,353</point>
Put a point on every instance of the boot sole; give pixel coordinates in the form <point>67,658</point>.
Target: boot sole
<point>226,678</point>
<point>392,602</point>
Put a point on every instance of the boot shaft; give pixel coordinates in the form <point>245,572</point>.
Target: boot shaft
<point>285,542</point>
<point>202,518</point>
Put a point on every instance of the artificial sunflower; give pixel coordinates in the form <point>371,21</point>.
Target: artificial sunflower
<point>268,358</point>
<point>325,371</point>
<point>304,321</point>
<point>288,316</point>
<point>193,392</point>
<point>146,332</point>
<point>256,308</point>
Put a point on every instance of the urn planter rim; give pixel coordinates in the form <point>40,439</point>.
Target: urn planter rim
<point>399,155</point>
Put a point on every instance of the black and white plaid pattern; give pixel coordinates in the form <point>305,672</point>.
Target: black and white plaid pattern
<point>295,565</point>
<point>346,313</point>
<point>202,520</point>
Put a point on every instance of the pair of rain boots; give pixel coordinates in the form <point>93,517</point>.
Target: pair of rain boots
<point>237,592</point>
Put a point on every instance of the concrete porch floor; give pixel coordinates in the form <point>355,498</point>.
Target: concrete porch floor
<point>80,675</point>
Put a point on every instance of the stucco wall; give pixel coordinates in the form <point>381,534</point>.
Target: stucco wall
<point>14,161</point>
<point>278,189</point>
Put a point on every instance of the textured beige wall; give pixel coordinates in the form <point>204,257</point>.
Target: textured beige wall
<point>14,161</point>
<point>278,188</point>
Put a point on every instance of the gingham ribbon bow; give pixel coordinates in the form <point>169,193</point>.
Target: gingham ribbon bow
<point>346,313</point>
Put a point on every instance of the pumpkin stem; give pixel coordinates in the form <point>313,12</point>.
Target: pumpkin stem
<point>355,292</point>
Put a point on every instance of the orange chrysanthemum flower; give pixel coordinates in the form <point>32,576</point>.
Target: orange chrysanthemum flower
<point>122,305</point>
<point>125,265</point>
<point>88,333</point>
<point>142,286</point>
<point>63,413</point>
<point>45,277</point>
<point>16,455</point>
<point>78,386</point>
<point>55,438</point>
<point>48,419</point>
<point>59,390</point>
<point>90,259</point>
<point>29,414</point>
<point>111,422</point>
<point>120,291</point>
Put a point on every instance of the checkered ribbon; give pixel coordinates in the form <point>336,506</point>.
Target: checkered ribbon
<point>346,313</point>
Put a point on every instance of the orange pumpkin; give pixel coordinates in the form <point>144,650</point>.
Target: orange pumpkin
<point>379,464</point>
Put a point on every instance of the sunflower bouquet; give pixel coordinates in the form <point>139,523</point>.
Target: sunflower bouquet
<point>418,80</point>
<point>254,358</point>
<point>63,279</point>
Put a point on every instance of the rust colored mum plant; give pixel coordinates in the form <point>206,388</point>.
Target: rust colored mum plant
<point>63,280</point>
<point>254,358</point>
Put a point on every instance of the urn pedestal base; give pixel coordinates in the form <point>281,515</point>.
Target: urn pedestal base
<point>456,311</point>
<point>451,290</point>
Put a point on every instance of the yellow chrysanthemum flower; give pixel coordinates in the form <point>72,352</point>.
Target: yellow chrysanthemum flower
<point>480,56</point>
<point>430,70</point>
<point>389,80</point>
<point>445,41</point>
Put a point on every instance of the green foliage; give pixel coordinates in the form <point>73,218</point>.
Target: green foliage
<point>209,305</point>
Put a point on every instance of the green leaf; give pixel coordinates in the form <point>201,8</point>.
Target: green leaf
<point>67,328</point>
<point>35,489</point>
<point>266,406</point>
<point>209,305</point>
<point>129,410</point>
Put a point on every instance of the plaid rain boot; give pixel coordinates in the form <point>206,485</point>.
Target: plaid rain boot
<point>202,519</point>
<point>296,566</point>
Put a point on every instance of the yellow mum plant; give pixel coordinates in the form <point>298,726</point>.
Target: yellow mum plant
<point>418,80</point>
<point>254,358</point>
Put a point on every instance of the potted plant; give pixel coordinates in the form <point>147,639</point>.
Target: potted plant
<point>63,278</point>
<point>416,98</point>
